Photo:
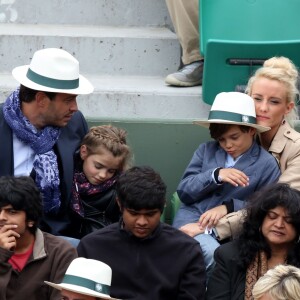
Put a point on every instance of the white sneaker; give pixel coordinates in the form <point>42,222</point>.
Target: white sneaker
<point>188,75</point>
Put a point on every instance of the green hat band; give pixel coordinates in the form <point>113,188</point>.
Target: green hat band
<point>230,116</point>
<point>87,283</point>
<point>52,83</point>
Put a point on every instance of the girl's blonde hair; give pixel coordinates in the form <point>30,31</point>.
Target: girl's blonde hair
<point>111,138</point>
<point>283,70</point>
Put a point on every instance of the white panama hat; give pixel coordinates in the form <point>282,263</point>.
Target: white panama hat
<point>233,108</point>
<point>88,277</point>
<point>53,70</point>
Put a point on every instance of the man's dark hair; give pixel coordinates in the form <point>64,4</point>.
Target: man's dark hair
<point>217,130</point>
<point>22,194</point>
<point>141,188</point>
<point>27,95</point>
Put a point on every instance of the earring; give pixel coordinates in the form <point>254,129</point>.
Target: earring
<point>30,224</point>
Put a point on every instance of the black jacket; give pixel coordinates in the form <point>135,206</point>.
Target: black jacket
<point>227,281</point>
<point>166,265</point>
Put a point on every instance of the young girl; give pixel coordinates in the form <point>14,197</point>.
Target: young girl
<point>103,155</point>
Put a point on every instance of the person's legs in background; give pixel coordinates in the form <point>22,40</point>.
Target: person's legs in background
<point>185,17</point>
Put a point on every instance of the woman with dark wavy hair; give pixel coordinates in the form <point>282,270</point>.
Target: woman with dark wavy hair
<point>270,237</point>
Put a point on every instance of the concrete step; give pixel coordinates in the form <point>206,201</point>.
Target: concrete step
<point>141,51</point>
<point>86,12</point>
<point>132,98</point>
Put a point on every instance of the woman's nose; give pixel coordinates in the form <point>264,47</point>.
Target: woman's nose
<point>262,106</point>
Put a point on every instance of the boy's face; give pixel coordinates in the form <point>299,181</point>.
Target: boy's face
<point>10,216</point>
<point>141,223</point>
<point>13,226</point>
<point>236,142</point>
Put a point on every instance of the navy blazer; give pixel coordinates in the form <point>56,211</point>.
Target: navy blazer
<point>68,142</point>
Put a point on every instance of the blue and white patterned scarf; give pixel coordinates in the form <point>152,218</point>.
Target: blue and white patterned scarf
<point>42,142</point>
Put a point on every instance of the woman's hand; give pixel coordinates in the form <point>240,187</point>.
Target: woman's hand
<point>192,229</point>
<point>211,217</point>
<point>234,177</point>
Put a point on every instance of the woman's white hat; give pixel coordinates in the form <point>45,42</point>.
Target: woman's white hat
<point>88,277</point>
<point>53,70</point>
<point>233,108</point>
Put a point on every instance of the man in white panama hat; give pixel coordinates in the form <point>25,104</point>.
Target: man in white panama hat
<point>42,127</point>
<point>223,172</point>
<point>85,279</point>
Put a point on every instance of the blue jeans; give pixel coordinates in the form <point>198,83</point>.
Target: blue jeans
<point>208,245</point>
<point>74,242</point>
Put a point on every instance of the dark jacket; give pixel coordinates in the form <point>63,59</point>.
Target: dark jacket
<point>227,281</point>
<point>166,265</point>
<point>50,259</point>
<point>100,209</point>
<point>68,142</point>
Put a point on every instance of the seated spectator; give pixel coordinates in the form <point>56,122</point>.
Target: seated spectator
<point>28,256</point>
<point>274,90</point>
<point>185,19</point>
<point>150,260</point>
<point>223,173</point>
<point>102,157</point>
<point>280,283</point>
<point>270,237</point>
<point>42,128</point>
<point>85,279</point>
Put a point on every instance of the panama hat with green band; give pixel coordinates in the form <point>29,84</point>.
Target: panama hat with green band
<point>87,277</point>
<point>53,70</point>
<point>232,108</point>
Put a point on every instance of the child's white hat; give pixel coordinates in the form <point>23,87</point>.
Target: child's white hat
<point>233,108</point>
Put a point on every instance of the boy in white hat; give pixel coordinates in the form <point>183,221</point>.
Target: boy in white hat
<point>85,279</point>
<point>42,127</point>
<point>224,172</point>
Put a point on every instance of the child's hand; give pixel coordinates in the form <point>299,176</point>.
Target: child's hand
<point>8,237</point>
<point>211,217</point>
<point>234,177</point>
<point>192,229</point>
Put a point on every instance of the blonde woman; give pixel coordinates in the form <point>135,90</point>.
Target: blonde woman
<point>274,90</point>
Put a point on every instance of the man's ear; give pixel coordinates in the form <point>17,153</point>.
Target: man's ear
<point>41,98</point>
<point>30,223</point>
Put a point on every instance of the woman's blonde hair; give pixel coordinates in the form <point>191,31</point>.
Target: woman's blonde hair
<point>283,70</point>
<point>111,138</point>
<point>280,283</point>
